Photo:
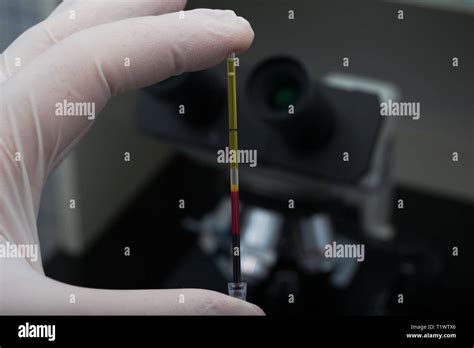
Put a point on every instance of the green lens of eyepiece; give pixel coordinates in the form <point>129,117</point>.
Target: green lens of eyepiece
<point>283,96</point>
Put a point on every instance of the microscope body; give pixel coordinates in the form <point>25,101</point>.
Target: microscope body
<point>321,145</point>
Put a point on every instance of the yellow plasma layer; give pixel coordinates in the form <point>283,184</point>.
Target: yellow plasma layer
<point>232,105</point>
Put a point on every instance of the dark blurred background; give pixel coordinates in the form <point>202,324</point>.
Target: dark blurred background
<point>401,195</point>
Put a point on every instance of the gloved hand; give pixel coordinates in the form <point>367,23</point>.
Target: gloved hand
<point>89,51</point>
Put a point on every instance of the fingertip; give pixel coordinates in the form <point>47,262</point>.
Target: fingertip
<point>240,307</point>
<point>238,30</point>
<point>215,303</point>
<point>240,34</point>
<point>256,310</point>
<point>248,34</point>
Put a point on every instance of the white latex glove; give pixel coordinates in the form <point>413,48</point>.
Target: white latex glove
<point>77,54</point>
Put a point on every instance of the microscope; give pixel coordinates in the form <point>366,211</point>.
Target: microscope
<point>321,177</point>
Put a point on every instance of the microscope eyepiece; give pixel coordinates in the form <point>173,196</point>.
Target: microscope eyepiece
<point>283,95</point>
